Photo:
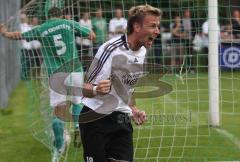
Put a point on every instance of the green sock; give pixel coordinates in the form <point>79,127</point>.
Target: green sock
<point>58,129</point>
<point>76,109</point>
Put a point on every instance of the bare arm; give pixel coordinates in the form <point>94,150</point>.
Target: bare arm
<point>91,90</point>
<point>138,116</point>
<point>92,35</point>
<point>10,35</point>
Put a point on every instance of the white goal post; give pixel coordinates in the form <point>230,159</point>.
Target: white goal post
<point>213,65</point>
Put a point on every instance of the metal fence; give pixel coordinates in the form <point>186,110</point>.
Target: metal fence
<point>9,61</point>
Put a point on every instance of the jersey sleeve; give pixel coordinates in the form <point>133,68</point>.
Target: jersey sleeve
<point>31,35</point>
<point>100,68</point>
<point>80,30</point>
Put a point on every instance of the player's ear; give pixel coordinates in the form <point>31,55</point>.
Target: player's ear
<point>137,27</point>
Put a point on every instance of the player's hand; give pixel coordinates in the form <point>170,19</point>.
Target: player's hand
<point>3,29</point>
<point>92,35</point>
<point>103,87</point>
<point>138,116</point>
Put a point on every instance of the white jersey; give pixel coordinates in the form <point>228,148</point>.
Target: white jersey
<point>87,24</point>
<point>116,24</point>
<point>24,27</point>
<point>117,61</point>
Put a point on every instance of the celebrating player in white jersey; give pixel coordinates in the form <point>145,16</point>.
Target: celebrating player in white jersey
<point>105,125</point>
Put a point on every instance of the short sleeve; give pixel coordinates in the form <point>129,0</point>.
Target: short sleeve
<point>100,68</point>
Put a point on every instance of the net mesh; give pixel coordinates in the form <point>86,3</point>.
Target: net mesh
<point>176,95</point>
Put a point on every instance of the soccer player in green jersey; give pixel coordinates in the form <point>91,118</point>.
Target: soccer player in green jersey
<point>57,37</point>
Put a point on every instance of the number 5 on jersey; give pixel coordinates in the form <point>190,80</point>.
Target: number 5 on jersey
<point>60,44</point>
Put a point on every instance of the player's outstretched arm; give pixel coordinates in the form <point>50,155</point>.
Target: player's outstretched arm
<point>102,88</point>
<point>10,35</point>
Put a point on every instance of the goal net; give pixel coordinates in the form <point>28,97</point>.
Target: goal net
<point>176,93</point>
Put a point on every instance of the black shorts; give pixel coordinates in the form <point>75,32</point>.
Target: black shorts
<point>107,138</point>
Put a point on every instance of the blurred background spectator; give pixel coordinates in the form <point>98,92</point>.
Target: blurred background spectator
<point>227,33</point>
<point>118,24</point>
<point>158,48</point>
<point>187,26</point>
<point>99,25</point>
<point>26,51</point>
<point>83,43</point>
<point>205,43</point>
<point>36,49</point>
<point>236,23</point>
<point>177,49</point>
<point>188,29</point>
<point>205,37</point>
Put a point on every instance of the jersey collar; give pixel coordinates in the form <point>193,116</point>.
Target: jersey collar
<point>124,39</point>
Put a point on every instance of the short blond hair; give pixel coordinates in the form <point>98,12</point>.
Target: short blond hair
<point>137,14</point>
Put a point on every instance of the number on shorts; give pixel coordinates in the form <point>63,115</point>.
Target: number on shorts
<point>89,159</point>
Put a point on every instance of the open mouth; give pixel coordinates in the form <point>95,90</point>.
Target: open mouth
<point>150,38</point>
<point>150,41</point>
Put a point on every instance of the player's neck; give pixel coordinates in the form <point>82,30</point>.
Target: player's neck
<point>133,42</point>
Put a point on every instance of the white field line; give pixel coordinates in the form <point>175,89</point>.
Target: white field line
<point>229,136</point>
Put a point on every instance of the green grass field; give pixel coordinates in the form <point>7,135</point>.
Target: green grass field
<point>17,143</point>
<point>177,128</point>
